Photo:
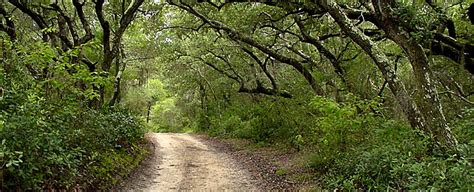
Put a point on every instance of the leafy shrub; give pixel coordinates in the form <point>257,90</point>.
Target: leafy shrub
<point>360,151</point>
<point>268,122</point>
<point>63,146</point>
<point>463,128</point>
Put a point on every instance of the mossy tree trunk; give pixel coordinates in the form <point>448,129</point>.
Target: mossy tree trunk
<point>426,115</point>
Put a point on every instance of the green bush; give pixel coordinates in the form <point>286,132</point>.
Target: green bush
<point>338,127</point>
<point>270,121</point>
<point>361,151</point>
<point>64,146</point>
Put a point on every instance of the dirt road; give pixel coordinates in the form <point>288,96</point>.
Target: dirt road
<point>181,162</point>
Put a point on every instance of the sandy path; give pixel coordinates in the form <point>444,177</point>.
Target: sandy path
<point>181,162</point>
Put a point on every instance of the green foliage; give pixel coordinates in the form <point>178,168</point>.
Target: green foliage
<point>420,18</point>
<point>360,151</point>
<point>397,159</point>
<point>61,145</point>
<point>50,139</point>
<point>112,165</point>
<point>340,126</point>
<point>166,116</point>
<point>272,120</point>
<point>464,125</point>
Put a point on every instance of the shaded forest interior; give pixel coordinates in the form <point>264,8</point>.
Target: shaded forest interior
<point>374,94</point>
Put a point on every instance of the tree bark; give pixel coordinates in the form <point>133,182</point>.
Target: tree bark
<point>429,104</point>
<point>118,78</point>
<point>111,47</point>
<point>410,108</point>
<point>9,26</point>
<point>149,104</point>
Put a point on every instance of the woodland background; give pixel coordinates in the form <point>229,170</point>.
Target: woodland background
<point>374,94</point>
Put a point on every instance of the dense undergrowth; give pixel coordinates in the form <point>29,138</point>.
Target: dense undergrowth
<point>353,146</point>
<point>51,137</point>
<point>61,145</point>
<point>46,146</point>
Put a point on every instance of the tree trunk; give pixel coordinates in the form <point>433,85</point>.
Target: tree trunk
<point>148,112</point>
<point>202,93</point>
<point>118,77</point>
<point>416,117</point>
<point>112,47</point>
<point>116,94</point>
<point>430,104</point>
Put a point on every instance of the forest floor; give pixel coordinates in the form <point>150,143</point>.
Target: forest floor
<point>278,167</point>
<point>185,162</point>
